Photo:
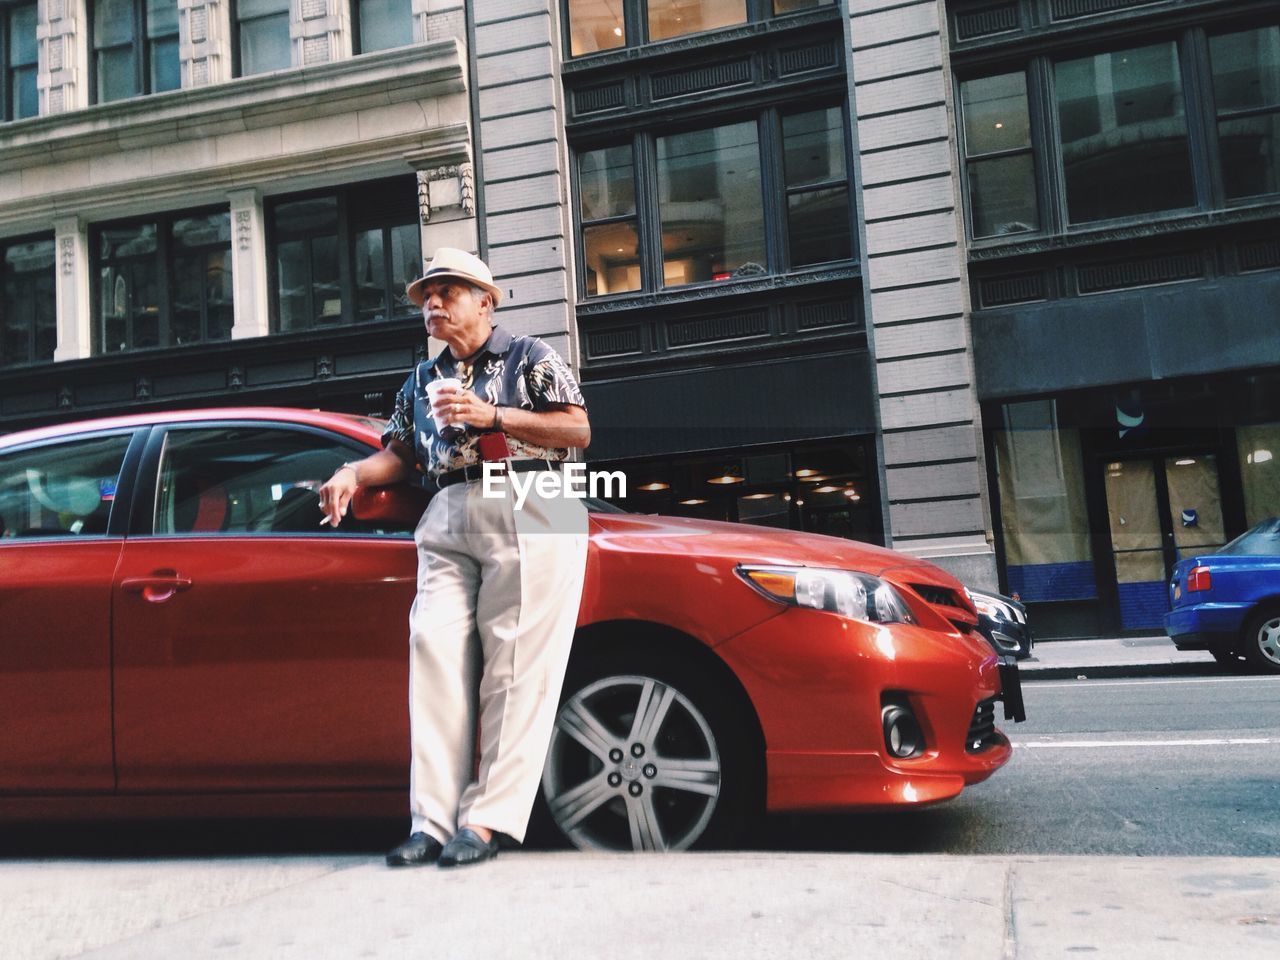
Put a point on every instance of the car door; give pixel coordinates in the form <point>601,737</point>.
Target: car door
<point>62,517</point>
<point>254,648</point>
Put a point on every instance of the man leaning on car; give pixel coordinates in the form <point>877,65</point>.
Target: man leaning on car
<point>498,587</point>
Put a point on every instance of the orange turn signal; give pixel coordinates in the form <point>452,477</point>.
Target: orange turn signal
<point>780,585</point>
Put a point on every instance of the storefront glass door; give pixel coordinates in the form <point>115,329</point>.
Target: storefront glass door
<point>1160,509</point>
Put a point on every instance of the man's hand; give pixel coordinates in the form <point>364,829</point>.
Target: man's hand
<point>336,494</point>
<point>392,463</point>
<point>463,407</point>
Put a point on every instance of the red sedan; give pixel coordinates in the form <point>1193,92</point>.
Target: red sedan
<point>183,638</point>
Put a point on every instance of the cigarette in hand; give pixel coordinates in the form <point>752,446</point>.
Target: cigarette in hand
<point>324,521</point>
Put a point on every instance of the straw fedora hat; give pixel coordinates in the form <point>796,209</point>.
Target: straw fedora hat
<point>451,262</point>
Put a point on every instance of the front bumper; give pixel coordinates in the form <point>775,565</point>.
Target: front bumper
<point>818,681</point>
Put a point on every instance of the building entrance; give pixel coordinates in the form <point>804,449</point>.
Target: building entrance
<point>1159,509</point>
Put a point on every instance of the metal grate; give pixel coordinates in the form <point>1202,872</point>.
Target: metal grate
<point>1070,9</point>
<point>612,343</point>
<point>675,83</point>
<point>710,329</point>
<point>1018,288</point>
<point>836,313</point>
<point>801,59</point>
<point>972,24</point>
<point>1120,274</point>
<point>982,728</point>
<point>1260,255</point>
<point>593,99</point>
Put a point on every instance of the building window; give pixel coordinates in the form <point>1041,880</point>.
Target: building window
<point>20,49</point>
<point>28,317</point>
<point>596,25</point>
<point>997,145</point>
<point>382,24</point>
<point>817,186</point>
<point>345,256</point>
<point>610,241</point>
<point>675,18</point>
<point>125,67</point>
<point>1246,87</point>
<point>1045,520</point>
<point>717,203</point>
<point>164,282</point>
<point>826,487</point>
<point>1123,128</point>
<point>709,204</point>
<point>1121,120</point>
<point>262,36</point>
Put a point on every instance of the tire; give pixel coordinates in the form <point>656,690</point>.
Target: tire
<point>1260,640</point>
<point>682,775</point>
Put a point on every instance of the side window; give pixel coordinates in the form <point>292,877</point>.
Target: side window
<point>60,490</point>
<point>251,481</point>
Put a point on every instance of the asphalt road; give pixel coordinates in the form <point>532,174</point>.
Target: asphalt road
<point>1158,767</point>
<point>1153,767</point>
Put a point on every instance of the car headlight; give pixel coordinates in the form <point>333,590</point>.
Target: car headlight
<point>991,608</point>
<point>858,596</point>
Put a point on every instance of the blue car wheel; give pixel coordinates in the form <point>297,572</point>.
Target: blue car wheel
<point>1261,640</point>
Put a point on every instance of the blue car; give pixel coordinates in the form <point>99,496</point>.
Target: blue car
<point>1228,602</point>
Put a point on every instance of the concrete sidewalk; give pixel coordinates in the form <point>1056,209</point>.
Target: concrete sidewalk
<point>561,906</point>
<point>1114,657</point>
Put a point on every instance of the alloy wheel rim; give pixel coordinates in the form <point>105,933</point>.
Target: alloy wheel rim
<point>632,764</point>
<point>1269,640</point>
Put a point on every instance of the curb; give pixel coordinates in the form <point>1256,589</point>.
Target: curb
<point>1124,671</point>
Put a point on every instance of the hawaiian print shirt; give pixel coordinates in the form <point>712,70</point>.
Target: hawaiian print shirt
<point>508,371</point>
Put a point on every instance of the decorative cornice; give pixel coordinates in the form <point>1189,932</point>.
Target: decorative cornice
<point>381,157</point>
<point>407,73</point>
<point>724,290</point>
<point>986,251</point>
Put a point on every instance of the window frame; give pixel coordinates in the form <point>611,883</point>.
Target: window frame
<point>118,522</point>
<point>1200,115</point>
<point>141,42</point>
<point>5,245</point>
<point>775,191</point>
<point>348,225</point>
<point>7,69</point>
<point>165,280</point>
<point>1213,115</point>
<point>635,26</point>
<point>237,60</point>
<point>151,458</point>
<point>357,36</point>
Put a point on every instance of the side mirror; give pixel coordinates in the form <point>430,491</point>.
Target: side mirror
<point>399,503</point>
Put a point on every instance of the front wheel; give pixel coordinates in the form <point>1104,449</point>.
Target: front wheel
<point>645,756</point>
<point>1261,640</point>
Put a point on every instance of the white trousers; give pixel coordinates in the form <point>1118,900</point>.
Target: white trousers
<point>490,633</point>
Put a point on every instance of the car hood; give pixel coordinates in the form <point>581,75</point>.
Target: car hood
<point>746,544</point>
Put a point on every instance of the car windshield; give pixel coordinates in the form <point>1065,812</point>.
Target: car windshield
<point>1262,541</point>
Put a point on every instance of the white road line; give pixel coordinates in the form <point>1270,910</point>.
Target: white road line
<point>1102,682</point>
<point>1228,742</point>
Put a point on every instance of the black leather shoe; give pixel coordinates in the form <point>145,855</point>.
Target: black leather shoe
<point>419,850</point>
<point>467,848</point>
